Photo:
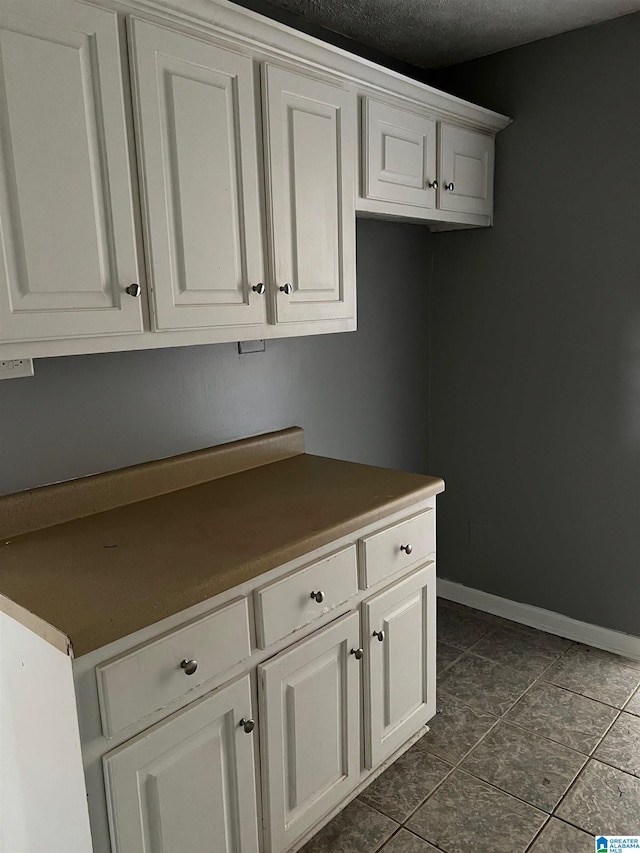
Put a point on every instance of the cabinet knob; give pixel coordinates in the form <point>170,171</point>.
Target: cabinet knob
<point>379,635</point>
<point>319,596</point>
<point>449,186</point>
<point>357,653</point>
<point>286,288</point>
<point>189,666</point>
<point>259,288</point>
<point>406,548</point>
<point>248,725</point>
<point>433,185</point>
<point>133,289</point>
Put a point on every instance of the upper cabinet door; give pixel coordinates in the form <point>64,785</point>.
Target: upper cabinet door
<point>310,732</point>
<point>311,153</point>
<point>466,170</point>
<point>400,654</point>
<point>187,784</point>
<point>67,248</point>
<point>196,122</point>
<point>400,155</point>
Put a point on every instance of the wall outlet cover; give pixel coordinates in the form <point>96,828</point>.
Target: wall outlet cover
<point>15,368</point>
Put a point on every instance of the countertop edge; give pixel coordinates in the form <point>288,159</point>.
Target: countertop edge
<point>50,634</point>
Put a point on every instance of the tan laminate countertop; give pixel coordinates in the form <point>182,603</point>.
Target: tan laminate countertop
<point>102,577</point>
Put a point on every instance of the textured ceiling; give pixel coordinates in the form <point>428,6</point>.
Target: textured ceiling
<point>435,33</point>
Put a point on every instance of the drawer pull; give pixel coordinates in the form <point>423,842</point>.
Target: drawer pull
<point>189,666</point>
<point>319,596</point>
<point>379,635</point>
<point>248,725</point>
<point>358,653</point>
<point>407,548</point>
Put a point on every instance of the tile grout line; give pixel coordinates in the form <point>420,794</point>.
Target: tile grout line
<point>608,763</point>
<point>539,680</point>
<point>520,627</point>
<point>537,835</point>
<point>387,840</point>
<point>562,799</point>
<point>457,765</point>
<point>511,625</point>
<point>507,667</point>
<point>590,758</point>
<point>430,794</point>
<point>575,692</point>
<point>499,718</point>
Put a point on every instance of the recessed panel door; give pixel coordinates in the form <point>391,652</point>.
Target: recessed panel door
<point>466,170</point>
<point>187,785</point>
<point>67,247</point>
<point>197,139</point>
<point>400,648</point>
<point>311,137</point>
<point>310,735</point>
<point>400,155</point>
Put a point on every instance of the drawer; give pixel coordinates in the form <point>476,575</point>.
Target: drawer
<point>150,676</point>
<point>287,604</point>
<point>396,547</point>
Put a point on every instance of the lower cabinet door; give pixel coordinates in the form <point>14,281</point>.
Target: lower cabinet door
<point>187,785</point>
<point>400,662</point>
<point>310,728</point>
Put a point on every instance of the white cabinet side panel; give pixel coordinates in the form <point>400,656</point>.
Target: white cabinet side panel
<point>42,793</point>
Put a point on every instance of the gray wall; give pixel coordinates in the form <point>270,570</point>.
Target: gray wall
<point>359,395</point>
<point>536,336</point>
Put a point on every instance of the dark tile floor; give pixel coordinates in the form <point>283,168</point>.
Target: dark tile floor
<point>535,747</point>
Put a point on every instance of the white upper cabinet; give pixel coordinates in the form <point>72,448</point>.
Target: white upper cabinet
<point>400,643</point>
<point>466,170</point>
<point>310,139</point>
<point>197,139</point>
<point>415,166</point>
<point>310,732</point>
<point>188,785</point>
<point>399,160</point>
<point>244,198</point>
<point>67,250</point>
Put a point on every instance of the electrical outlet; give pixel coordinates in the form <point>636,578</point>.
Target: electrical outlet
<point>14,368</point>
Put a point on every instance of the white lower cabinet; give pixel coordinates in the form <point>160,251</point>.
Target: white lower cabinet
<point>400,674</point>
<point>309,697</point>
<point>221,775</point>
<point>187,785</point>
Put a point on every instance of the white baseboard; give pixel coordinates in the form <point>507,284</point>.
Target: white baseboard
<point>545,620</point>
